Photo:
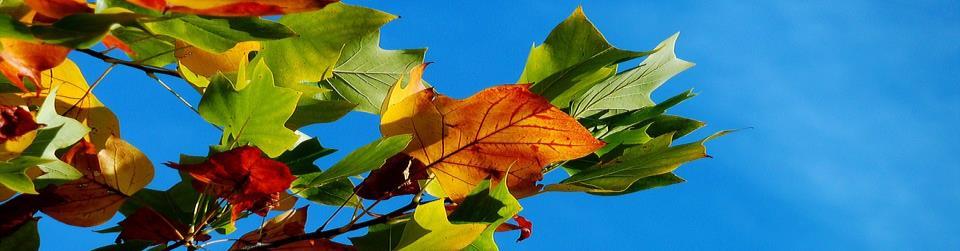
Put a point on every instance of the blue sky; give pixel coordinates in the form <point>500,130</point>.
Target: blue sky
<point>852,105</point>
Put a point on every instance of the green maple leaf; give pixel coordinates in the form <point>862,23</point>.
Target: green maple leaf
<point>217,34</point>
<point>431,230</point>
<point>60,132</point>
<point>251,112</point>
<point>574,57</point>
<point>631,89</point>
<point>655,157</point>
<point>365,72</point>
<point>312,56</point>
<point>489,205</point>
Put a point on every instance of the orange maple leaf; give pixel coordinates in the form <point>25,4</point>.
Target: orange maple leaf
<point>27,59</point>
<point>463,142</point>
<point>234,7</point>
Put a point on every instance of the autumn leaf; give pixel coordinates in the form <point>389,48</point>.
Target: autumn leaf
<point>15,122</point>
<point>112,42</point>
<point>17,212</point>
<point>145,224</point>
<point>288,224</point>
<point>243,176</point>
<point>21,59</point>
<point>57,9</point>
<point>398,176</point>
<point>208,64</point>
<point>73,99</point>
<point>234,7</point>
<point>110,176</point>
<point>464,142</point>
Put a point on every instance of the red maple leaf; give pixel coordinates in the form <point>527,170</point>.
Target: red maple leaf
<point>14,122</point>
<point>397,176</point>
<point>145,224</point>
<point>243,176</point>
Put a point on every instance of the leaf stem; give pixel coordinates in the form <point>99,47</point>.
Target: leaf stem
<point>135,65</point>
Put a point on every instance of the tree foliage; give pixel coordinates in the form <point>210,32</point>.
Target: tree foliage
<point>463,164</point>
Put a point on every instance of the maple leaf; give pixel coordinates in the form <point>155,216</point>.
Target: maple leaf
<point>208,64</point>
<point>57,9</point>
<point>398,176</point>
<point>145,224</point>
<point>110,176</point>
<point>73,99</point>
<point>251,112</point>
<point>288,224</point>
<point>15,122</point>
<point>243,176</point>
<point>21,59</point>
<point>464,142</point>
<point>234,7</point>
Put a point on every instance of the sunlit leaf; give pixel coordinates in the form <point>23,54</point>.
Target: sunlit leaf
<point>490,205</point>
<point>574,57</point>
<point>110,176</point>
<point>208,64</point>
<point>314,53</point>
<point>431,230</point>
<point>234,7</point>
<point>364,72</point>
<point>251,113</point>
<point>631,89</point>
<point>60,132</point>
<point>464,142</point>
<point>57,9</point>
<point>218,34</point>
<point>366,158</point>
<point>24,59</point>
<point>243,176</point>
<point>655,157</point>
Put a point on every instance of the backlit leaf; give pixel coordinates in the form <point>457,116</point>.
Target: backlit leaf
<point>233,7</point>
<point>24,59</point>
<point>60,132</point>
<point>251,113</point>
<point>243,176</point>
<point>208,64</point>
<point>364,72</point>
<point>464,142</point>
<point>631,89</point>
<point>110,176</point>
<point>314,53</point>
<point>218,34</point>
<point>431,230</point>
<point>653,158</point>
<point>574,57</point>
<point>490,205</point>
<point>366,158</point>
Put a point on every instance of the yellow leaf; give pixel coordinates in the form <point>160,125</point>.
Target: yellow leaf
<point>463,142</point>
<point>73,100</point>
<point>208,64</point>
<point>431,230</point>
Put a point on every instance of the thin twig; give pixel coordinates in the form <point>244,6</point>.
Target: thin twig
<point>165,86</point>
<point>90,89</point>
<point>141,67</point>
<point>337,231</point>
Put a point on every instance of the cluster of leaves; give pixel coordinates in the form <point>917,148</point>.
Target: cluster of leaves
<point>465,162</point>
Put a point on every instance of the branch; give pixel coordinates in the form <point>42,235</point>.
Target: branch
<point>335,231</point>
<point>145,68</point>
